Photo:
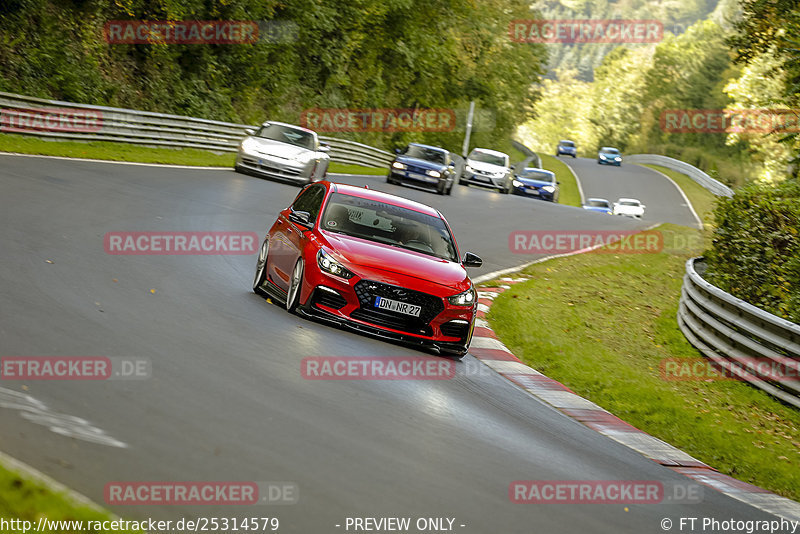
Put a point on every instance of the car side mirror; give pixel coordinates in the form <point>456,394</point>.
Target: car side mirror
<point>397,151</point>
<point>452,165</point>
<point>249,131</point>
<point>303,218</point>
<point>643,206</point>
<point>558,183</point>
<point>472,260</point>
<point>324,147</point>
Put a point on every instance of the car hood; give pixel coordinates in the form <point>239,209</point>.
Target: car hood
<point>610,156</point>
<point>485,167</point>
<point>425,164</point>
<point>355,252</point>
<point>277,148</point>
<point>534,182</point>
<point>629,209</point>
<point>567,148</point>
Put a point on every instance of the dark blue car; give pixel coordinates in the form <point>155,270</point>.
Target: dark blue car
<point>536,183</point>
<point>567,148</point>
<point>425,166</point>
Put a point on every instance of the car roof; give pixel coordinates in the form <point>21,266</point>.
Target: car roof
<point>430,146</point>
<point>489,151</point>
<point>537,169</point>
<point>566,141</point>
<point>594,198</point>
<point>609,148</point>
<point>628,200</point>
<point>380,196</point>
<point>296,127</point>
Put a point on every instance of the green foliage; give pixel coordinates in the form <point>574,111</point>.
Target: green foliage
<point>357,54</point>
<point>755,251</point>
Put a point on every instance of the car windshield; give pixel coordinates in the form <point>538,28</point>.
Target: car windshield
<point>567,143</point>
<point>287,134</point>
<point>610,151</point>
<point>629,203</point>
<point>427,154</point>
<point>389,224</point>
<point>538,175</point>
<point>484,157</point>
<point>598,203</point>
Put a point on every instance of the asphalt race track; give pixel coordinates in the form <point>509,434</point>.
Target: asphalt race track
<point>226,400</point>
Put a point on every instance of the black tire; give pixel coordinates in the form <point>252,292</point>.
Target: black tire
<point>573,156</point>
<point>389,179</point>
<point>450,189</point>
<point>261,269</point>
<point>441,188</point>
<point>295,286</point>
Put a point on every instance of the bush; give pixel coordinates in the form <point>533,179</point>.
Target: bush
<point>755,251</point>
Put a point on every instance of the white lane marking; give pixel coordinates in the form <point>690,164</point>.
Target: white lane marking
<point>165,165</point>
<point>35,411</point>
<point>685,198</point>
<point>488,343</point>
<point>577,181</point>
<point>483,307</point>
<point>565,399</point>
<point>507,367</point>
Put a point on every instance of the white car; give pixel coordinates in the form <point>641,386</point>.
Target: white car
<point>629,207</point>
<point>488,168</point>
<point>283,151</point>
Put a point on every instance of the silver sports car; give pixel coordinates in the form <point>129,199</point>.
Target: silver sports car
<point>283,151</point>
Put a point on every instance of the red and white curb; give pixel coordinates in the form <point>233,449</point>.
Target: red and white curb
<point>491,351</point>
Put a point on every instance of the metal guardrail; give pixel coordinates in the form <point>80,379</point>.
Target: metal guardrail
<point>736,335</point>
<point>533,156</point>
<point>715,186</point>
<point>159,129</point>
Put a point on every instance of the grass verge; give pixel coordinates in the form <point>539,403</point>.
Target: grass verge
<point>569,195</point>
<point>141,154</point>
<point>701,198</point>
<point>26,500</point>
<point>605,323</point>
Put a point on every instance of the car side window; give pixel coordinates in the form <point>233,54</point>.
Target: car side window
<point>310,200</point>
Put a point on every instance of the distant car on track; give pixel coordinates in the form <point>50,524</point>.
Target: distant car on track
<point>423,165</point>
<point>567,148</point>
<point>487,168</point>
<point>608,155</point>
<point>373,262</point>
<point>283,151</point>
<point>600,205</point>
<point>536,183</point>
<point>629,207</point>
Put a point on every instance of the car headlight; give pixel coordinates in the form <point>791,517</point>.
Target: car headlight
<point>617,158</point>
<point>398,165</point>
<point>248,144</point>
<point>516,183</point>
<point>467,298</point>
<point>331,266</point>
<point>602,156</point>
<point>549,189</point>
<point>468,168</point>
<point>435,174</point>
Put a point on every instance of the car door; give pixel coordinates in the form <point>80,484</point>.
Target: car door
<point>290,238</point>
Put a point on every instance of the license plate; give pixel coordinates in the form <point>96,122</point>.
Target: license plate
<point>533,191</point>
<point>383,303</point>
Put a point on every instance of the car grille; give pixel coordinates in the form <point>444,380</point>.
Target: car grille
<point>459,329</point>
<point>367,290</point>
<point>328,299</point>
<point>270,168</point>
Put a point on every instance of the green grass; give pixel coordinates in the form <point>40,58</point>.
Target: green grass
<point>342,168</point>
<point>141,154</point>
<point>22,498</point>
<point>701,198</point>
<point>610,321</point>
<point>569,195</point>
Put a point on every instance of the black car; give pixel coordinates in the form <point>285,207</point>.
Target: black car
<point>567,148</point>
<point>426,166</point>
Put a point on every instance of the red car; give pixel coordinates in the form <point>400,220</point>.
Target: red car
<point>371,261</point>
